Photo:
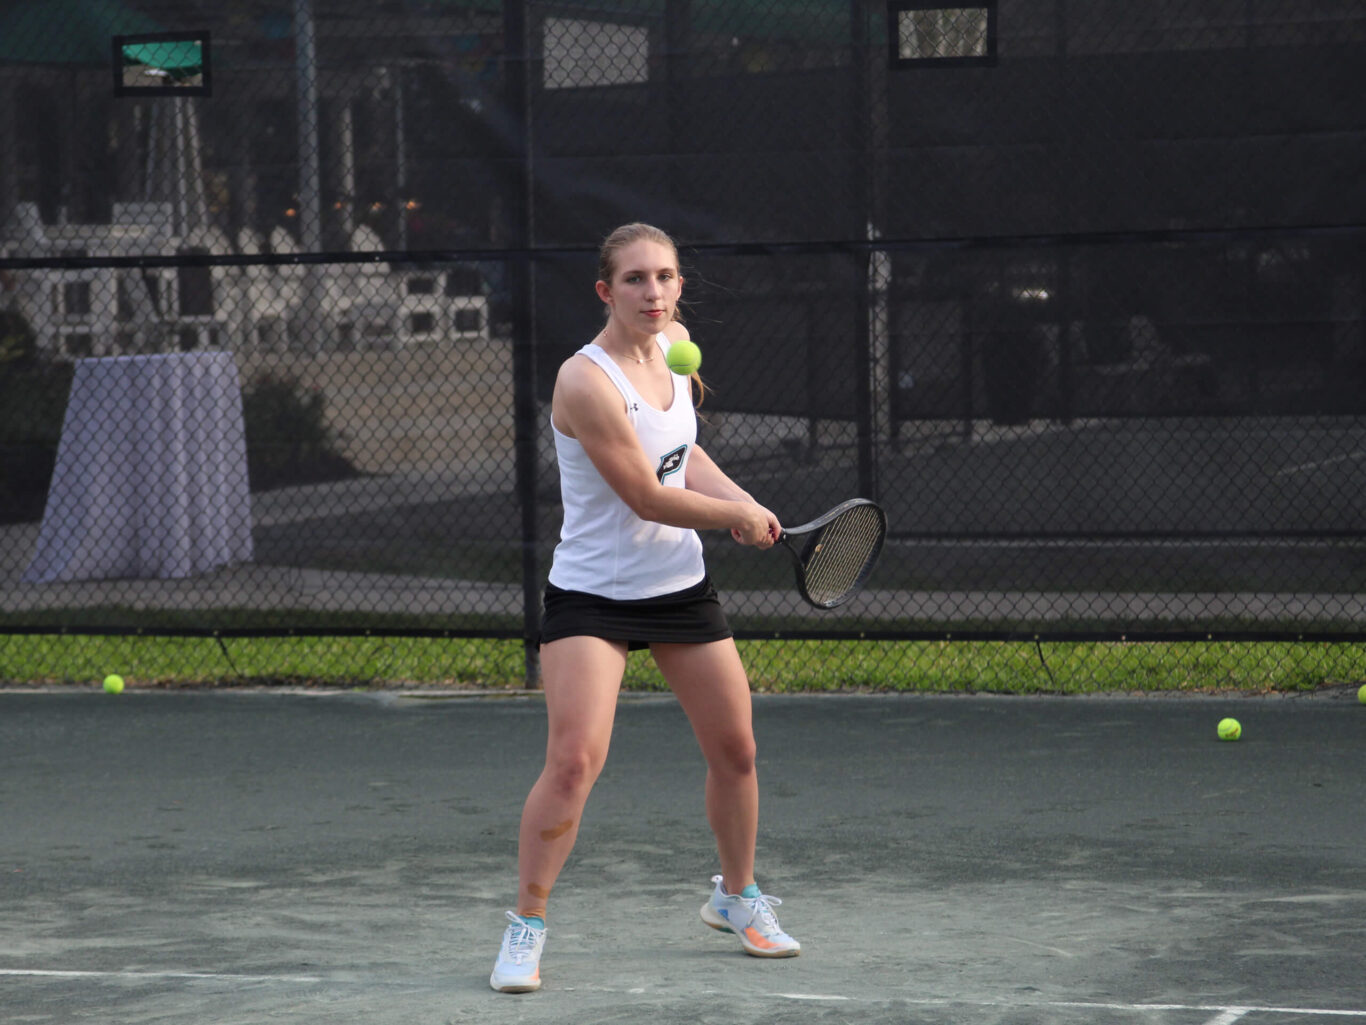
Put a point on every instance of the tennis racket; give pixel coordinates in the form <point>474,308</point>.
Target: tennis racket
<point>835,552</point>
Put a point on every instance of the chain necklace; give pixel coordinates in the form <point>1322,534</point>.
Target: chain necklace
<point>625,355</point>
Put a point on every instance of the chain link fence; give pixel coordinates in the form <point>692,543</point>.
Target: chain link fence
<point>1075,290</point>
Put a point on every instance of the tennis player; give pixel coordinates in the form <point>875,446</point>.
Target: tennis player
<point>628,573</point>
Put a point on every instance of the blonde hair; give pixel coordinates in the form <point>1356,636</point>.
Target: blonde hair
<point>629,234</point>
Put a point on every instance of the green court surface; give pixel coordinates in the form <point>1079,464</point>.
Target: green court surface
<point>248,856</point>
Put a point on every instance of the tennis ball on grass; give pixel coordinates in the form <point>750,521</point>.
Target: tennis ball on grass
<point>113,684</point>
<point>684,357</point>
<point>1230,729</point>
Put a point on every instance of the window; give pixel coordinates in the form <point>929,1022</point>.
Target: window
<point>162,64</point>
<point>585,53</point>
<point>929,34</point>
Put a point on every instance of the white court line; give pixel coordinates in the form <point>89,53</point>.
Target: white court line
<point>1225,1014</point>
<point>1237,1012</point>
<point>1320,464</point>
<point>215,976</point>
<point>809,996</point>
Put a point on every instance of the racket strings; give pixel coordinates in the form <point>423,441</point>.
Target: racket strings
<point>842,554</point>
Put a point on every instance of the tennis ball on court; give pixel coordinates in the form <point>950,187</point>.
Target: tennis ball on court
<point>684,357</point>
<point>113,684</point>
<point>1361,694</point>
<point>1230,729</point>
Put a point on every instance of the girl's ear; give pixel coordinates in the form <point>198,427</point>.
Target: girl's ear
<point>604,292</point>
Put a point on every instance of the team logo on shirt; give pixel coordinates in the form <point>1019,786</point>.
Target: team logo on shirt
<point>671,463</point>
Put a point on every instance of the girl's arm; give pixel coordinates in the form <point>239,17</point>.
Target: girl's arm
<point>586,406</point>
<point>706,478</point>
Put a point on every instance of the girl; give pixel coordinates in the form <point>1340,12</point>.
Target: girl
<point>628,573</point>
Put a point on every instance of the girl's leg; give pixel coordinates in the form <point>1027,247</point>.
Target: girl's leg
<point>581,677</point>
<point>710,683</point>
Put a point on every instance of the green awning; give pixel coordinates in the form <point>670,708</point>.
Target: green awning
<point>180,56</point>
<point>77,32</point>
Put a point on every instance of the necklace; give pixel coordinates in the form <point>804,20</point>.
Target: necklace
<point>601,343</point>
<point>627,355</point>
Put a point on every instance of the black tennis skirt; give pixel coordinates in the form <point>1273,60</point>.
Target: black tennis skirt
<point>690,616</point>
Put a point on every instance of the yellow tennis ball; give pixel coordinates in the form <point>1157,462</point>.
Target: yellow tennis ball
<point>113,684</point>
<point>684,357</point>
<point>1230,729</point>
<point>1361,694</point>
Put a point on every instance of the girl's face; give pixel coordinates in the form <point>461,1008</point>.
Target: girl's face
<point>645,287</point>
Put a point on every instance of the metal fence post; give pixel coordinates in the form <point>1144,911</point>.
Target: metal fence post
<point>522,281</point>
<point>311,311</point>
<point>865,399</point>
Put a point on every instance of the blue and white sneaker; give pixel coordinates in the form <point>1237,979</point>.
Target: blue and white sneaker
<point>518,968</point>
<point>749,915</point>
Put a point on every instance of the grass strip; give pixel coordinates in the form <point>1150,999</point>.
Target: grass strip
<point>775,666</point>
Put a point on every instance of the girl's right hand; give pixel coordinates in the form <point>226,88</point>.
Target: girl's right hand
<point>757,527</point>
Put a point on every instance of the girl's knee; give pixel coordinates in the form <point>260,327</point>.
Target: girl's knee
<point>733,754</point>
<point>573,770</point>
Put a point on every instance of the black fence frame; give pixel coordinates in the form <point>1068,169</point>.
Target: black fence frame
<point>869,164</point>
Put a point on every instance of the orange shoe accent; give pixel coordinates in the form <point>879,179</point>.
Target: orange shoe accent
<point>758,939</point>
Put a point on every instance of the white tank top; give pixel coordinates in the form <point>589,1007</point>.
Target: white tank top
<point>605,548</point>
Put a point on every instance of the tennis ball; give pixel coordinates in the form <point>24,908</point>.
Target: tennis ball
<point>113,684</point>
<point>1230,729</point>
<point>1361,694</point>
<point>684,357</point>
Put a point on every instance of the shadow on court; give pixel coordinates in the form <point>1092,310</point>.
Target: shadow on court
<point>238,857</point>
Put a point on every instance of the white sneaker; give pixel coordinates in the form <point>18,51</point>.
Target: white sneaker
<point>751,919</point>
<point>518,968</point>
